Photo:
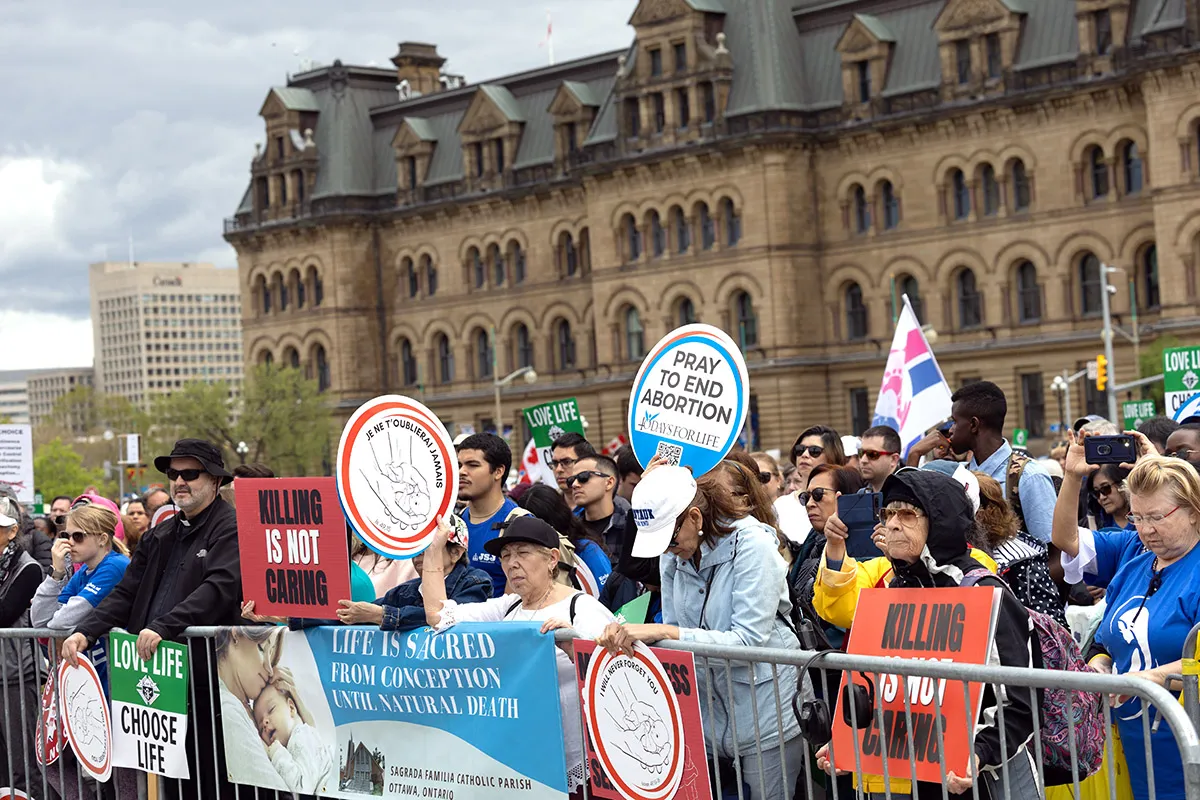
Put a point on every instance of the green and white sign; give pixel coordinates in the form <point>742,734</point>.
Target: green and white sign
<point>551,420</point>
<point>1136,412</point>
<point>149,706</point>
<point>1181,376</point>
<point>1020,437</point>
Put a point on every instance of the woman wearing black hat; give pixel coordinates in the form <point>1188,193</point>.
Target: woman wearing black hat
<point>528,552</point>
<point>928,519</point>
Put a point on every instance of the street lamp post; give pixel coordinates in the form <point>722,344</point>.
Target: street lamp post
<point>530,376</point>
<point>242,449</point>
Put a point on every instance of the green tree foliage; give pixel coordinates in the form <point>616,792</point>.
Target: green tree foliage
<point>280,415</point>
<point>58,469</point>
<point>1151,363</point>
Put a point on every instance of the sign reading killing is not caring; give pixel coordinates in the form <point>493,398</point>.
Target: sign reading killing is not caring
<point>397,475</point>
<point>689,399</point>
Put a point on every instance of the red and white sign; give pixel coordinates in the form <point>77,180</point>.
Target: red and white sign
<point>48,733</point>
<point>292,541</point>
<point>12,794</point>
<point>85,717</point>
<point>397,475</point>
<point>163,514</point>
<point>645,737</point>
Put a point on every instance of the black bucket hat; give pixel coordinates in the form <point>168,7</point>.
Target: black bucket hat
<point>525,528</point>
<point>205,452</point>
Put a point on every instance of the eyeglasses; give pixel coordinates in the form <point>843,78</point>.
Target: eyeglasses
<point>871,455</point>
<point>585,476</point>
<point>1103,490</point>
<point>905,516</point>
<point>817,494</point>
<point>813,450</point>
<point>563,462</point>
<point>1154,519</point>
<point>765,477</point>
<point>188,475</point>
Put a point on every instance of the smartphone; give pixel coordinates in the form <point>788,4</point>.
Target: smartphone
<point>1109,449</point>
<point>860,513</point>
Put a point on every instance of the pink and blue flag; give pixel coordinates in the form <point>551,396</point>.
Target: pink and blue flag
<point>914,395</point>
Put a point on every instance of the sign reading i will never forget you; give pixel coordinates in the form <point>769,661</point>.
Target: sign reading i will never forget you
<point>149,706</point>
<point>397,475</point>
<point>292,540</point>
<point>689,399</point>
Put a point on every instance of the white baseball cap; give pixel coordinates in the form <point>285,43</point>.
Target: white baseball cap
<point>9,513</point>
<point>659,498</point>
<point>850,445</point>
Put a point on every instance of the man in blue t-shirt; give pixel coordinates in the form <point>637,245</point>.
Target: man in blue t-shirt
<point>483,464</point>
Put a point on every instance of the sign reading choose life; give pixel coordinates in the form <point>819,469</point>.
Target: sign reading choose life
<point>689,399</point>
<point>397,475</point>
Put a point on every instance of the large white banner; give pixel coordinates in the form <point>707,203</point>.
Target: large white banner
<point>16,460</point>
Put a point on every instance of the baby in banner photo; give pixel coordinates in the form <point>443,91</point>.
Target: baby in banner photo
<point>295,746</point>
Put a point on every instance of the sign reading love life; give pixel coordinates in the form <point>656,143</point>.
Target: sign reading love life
<point>397,475</point>
<point>689,399</point>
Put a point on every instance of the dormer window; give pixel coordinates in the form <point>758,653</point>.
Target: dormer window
<point>864,81</point>
<point>574,110</point>
<point>499,144</point>
<point>1104,34</point>
<point>633,117</point>
<point>962,60</point>
<point>680,57</point>
<point>279,151</point>
<point>656,63</point>
<point>994,64</point>
<point>710,101</point>
<point>865,48</point>
<point>411,163</point>
<point>572,138</point>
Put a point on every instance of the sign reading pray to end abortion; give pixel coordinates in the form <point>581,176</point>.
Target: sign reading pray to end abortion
<point>689,399</point>
<point>397,475</point>
<point>293,546</point>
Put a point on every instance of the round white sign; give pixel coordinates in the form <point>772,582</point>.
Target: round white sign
<point>85,717</point>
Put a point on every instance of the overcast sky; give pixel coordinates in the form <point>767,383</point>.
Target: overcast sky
<point>128,118</point>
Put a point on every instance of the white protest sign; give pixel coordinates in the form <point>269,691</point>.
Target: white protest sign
<point>16,460</point>
<point>397,475</point>
<point>85,717</point>
<point>689,399</point>
<point>149,704</point>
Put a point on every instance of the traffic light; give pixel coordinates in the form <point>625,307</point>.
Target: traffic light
<point>1101,373</point>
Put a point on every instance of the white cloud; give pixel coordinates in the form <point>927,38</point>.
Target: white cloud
<point>38,340</point>
<point>33,190</point>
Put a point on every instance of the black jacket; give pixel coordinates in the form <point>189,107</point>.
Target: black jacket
<point>39,545</point>
<point>208,581</point>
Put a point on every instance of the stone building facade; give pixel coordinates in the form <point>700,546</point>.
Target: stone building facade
<point>782,170</point>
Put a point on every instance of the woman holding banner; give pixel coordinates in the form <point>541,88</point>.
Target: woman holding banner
<point>528,551</point>
<point>724,583</point>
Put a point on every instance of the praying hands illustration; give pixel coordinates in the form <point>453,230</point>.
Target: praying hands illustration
<point>401,489</point>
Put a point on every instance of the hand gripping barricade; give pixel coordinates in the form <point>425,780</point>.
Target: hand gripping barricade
<point>715,666</point>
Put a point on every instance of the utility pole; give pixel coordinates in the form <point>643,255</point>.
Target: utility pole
<point>1106,290</point>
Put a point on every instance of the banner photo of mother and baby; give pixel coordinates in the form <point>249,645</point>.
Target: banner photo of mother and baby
<point>348,712</point>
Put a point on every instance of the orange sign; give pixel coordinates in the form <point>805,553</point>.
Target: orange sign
<point>939,722</point>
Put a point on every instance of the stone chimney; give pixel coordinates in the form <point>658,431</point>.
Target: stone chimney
<point>420,66</point>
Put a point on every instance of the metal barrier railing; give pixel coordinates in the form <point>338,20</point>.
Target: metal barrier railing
<point>759,753</point>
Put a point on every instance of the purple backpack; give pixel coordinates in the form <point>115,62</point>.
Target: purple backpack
<point>1059,652</point>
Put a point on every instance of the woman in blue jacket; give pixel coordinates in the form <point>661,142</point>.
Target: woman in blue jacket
<point>723,583</point>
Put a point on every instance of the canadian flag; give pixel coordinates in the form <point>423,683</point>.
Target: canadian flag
<point>533,468</point>
<point>616,444</point>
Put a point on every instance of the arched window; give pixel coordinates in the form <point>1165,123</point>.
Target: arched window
<point>569,255</point>
<point>658,236</point>
<point>683,231</point>
<point>1150,295</point>
<point>499,265</point>
<point>445,356</point>
<point>908,285</point>
<point>1131,162</point>
<point>633,238</point>
<point>411,278</point>
<point>1090,285</point>
<point>862,210</point>
<point>295,279</point>
<point>408,363</point>
<point>708,233</point>
<point>747,320</point>
<point>1029,294</point>
<point>1020,186</point>
<point>475,264</point>
<point>264,292</point>
<point>585,250</point>
<point>991,191</point>
<point>960,194</point>
<point>282,288</point>
<point>685,311</point>
<point>291,358</point>
<point>318,286</point>
<point>322,364</point>
<point>970,301</point>
<point>484,355</point>
<point>430,274</point>
<point>1098,170</point>
<point>524,346</point>
<point>265,358</point>
<point>635,336</point>
<point>891,205</point>
<point>856,313</point>
<point>566,345</point>
<point>518,263</point>
<point>732,221</point>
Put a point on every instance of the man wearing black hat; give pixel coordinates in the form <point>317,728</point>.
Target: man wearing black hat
<point>185,572</point>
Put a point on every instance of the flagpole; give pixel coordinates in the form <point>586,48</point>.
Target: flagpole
<point>550,36</point>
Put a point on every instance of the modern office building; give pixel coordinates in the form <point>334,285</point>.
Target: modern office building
<point>14,397</point>
<point>47,386</point>
<point>158,326</point>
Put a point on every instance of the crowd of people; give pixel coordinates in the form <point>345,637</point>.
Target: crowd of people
<point>752,554</point>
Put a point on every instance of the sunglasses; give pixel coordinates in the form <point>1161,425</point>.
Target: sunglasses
<point>871,455</point>
<point>765,477</point>
<point>906,516</point>
<point>678,527</point>
<point>813,450</point>
<point>584,477</point>
<point>188,475</point>
<point>817,494</point>
<point>1103,490</point>
<point>78,537</point>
